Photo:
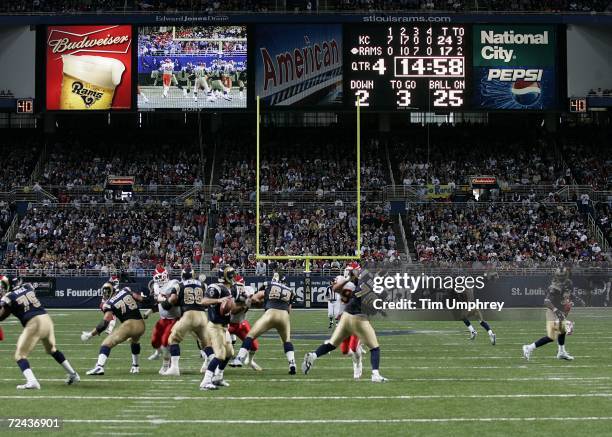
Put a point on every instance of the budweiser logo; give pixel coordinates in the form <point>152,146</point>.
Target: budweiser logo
<point>104,40</point>
<point>89,96</point>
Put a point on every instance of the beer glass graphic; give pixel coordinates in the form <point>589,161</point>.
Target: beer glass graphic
<point>89,82</point>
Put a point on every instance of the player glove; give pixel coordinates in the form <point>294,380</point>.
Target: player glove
<point>85,336</point>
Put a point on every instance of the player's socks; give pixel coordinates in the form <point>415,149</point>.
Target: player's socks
<point>24,365</point>
<point>486,327</point>
<point>541,342</point>
<point>561,340</point>
<point>375,359</point>
<point>290,353</point>
<point>103,356</point>
<point>61,360</point>
<point>175,355</point>
<point>110,327</point>
<point>325,348</point>
<point>135,353</point>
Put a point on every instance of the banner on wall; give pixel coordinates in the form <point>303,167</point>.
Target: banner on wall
<point>299,65</point>
<point>89,67</point>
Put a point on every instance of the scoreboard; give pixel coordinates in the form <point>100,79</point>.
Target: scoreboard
<point>409,67</point>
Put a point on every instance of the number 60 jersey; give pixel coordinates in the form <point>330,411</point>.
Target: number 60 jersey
<point>123,306</point>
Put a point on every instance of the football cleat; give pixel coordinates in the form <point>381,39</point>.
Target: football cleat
<point>73,378</point>
<point>29,386</point>
<point>164,367</point>
<point>473,334</point>
<point>154,356</point>
<point>357,369</point>
<point>292,370</point>
<point>135,369</point>
<point>308,362</point>
<point>236,362</point>
<point>527,352</point>
<point>172,371</point>
<point>255,366</point>
<point>221,383</point>
<point>208,386</point>
<point>564,356</point>
<point>98,370</point>
<point>493,339</point>
<point>379,378</point>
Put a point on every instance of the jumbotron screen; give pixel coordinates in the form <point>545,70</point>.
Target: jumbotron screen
<point>409,67</point>
<point>192,67</point>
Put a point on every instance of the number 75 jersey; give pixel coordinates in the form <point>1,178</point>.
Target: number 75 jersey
<point>23,303</point>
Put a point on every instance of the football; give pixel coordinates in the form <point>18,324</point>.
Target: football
<point>226,306</point>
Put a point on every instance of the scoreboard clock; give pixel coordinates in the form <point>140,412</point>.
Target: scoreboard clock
<point>25,106</point>
<point>578,105</point>
<point>408,67</point>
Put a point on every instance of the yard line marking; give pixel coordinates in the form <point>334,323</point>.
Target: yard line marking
<point>596,379</point>
<point>309,398</point>
<point>309,421</point>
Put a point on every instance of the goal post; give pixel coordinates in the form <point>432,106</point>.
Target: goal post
<point>306,258</point>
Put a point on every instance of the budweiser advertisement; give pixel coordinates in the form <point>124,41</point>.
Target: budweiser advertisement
<point>89,67</point>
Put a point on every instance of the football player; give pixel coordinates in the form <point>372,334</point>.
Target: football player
<point>189,296</point>
<point>162,288</point>
<point>468,296</point>
<point>218,321</point>
<point>332,304</point>
<point>353,321</point>
<point>21,301</point>
<point>240,326</point>
<point>123,304</point>
<point>277,300</point>
<point>558,304</point>
<point>108,289</point>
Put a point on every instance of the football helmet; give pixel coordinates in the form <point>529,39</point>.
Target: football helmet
<point>353,269</point>
<point>160,275</point>
<point>239,279</point>
<point>108,290</point>
<point>227,274</point>
<point>5,285</point>
<point>187,272</point>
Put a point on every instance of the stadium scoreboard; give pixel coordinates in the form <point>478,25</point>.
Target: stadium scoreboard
<point>423,67</point>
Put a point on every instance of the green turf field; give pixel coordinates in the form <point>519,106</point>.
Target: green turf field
<point>441,384</point>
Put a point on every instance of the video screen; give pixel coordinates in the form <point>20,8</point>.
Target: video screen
<point>17,49</point>
<point>89,67</point>
<point>192,67</point>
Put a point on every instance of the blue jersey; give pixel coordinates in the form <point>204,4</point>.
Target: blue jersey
<point>23,303</point>
<point>278,296</point>
<point>218,291</point>
<point>123,306</point>
<point>354,305</point>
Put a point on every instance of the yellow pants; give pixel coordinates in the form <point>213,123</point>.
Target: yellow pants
<point>354,325</point>
<point>191,321</point>
<point>553,326</point>
<point>37,328</point>
<point>220,340</point>
<point>277,319</point>
<point>131,328</point>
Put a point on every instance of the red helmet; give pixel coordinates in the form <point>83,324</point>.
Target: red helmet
<point>160,275</point>
<point>239,279</point>
<point>352,269</point>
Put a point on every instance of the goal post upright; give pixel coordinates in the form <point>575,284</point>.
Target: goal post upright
<point>307,258</point>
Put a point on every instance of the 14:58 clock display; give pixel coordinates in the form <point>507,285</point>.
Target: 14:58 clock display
<point>416,67</point>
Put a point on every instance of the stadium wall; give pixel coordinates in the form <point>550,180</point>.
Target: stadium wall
<point>516,291</point>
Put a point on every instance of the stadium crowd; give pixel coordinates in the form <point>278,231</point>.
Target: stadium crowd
<point>522,234</point>
<point>153,41</point>
<point>17,162</point>
<point>78,162</point>
<point>107,239</point>
<point>325,230</point>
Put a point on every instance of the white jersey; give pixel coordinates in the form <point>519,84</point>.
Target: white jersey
<point>167,67</point>
<point>165,290</point>
<point>244,291</point>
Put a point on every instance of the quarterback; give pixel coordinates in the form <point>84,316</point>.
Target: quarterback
<point>21,301</point>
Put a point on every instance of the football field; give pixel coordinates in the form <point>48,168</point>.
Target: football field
<point>441,383</point>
